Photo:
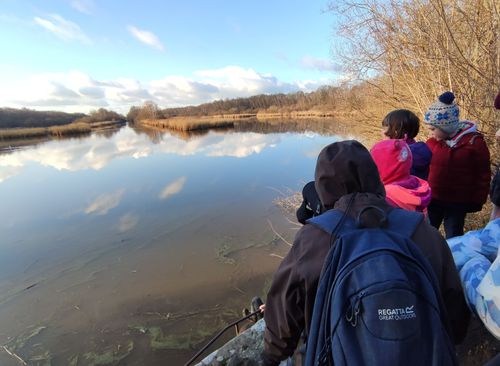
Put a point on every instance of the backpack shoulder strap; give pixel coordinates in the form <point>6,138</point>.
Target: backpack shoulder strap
<point>404,222</point>
<point>329,220</point>
<point>401,221</point>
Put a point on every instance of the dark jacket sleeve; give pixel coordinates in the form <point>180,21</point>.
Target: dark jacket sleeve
<point>438,253</point>
<point>311,204</point>
<point>303,213</point>
<point>284,314</point>
<point>422,156</point>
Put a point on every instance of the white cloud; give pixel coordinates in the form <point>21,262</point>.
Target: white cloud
<point>172,188</point>
<point>105,202</point>
<point>83,6</point>
<point>320,64</point>
<point>146,37</point>
<point>62,28</point>
<point>75,91</point>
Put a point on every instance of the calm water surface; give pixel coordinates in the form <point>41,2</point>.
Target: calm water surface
<point>134,248</point>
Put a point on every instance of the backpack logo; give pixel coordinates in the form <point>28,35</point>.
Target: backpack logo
<point>397,313</point>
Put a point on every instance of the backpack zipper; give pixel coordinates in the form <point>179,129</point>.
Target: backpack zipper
<point>354,309</point>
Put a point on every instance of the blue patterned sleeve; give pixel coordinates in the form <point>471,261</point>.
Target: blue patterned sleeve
<point>477,257</point>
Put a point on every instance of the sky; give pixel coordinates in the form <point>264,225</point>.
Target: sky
<point>80,55</point>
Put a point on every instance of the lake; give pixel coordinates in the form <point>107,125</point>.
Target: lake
<point>136,246</point>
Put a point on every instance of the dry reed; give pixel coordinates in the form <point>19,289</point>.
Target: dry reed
<point>290,203</point>
<point>188,124</point>
<point>58,131</point>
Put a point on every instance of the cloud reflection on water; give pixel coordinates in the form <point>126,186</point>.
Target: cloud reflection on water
<point>105,202</point>
<point>127,222</point>
<point>172,188</point>
<point>97,151</point>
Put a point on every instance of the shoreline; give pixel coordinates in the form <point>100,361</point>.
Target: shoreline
<point>68,130</point>
<point>191,123</point>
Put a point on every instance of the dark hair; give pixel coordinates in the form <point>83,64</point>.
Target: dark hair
<point>401,122</point>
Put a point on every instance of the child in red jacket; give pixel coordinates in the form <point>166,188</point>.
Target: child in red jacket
<point>459,173</point>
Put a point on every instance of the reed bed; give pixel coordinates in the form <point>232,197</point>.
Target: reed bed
<point>57,131</point>
<point>71,129</point>
<point>227,120</point>
<point>295,114</point>
<point>185,124</point>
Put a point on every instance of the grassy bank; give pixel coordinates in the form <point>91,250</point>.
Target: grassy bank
<point>72,129</point>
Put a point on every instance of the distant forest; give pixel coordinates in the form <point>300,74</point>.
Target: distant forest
<point>27,118</point>
<point>326,98</point>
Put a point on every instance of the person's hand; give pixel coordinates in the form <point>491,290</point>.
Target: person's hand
<point>262,308</point>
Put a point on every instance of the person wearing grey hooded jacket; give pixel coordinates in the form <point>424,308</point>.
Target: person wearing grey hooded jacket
<point>344,169</point>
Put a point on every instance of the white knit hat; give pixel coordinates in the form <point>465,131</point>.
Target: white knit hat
<point>444,114</point>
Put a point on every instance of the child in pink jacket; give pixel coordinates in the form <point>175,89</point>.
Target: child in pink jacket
<point>394,160</point>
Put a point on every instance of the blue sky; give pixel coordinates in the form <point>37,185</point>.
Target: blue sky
<point>78,55</point>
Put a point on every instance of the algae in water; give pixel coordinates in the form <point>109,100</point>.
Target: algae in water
<point>110,357</point>
<point>21,340</point>
<point>158,340</point>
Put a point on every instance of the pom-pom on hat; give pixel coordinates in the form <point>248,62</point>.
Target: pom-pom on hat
<point>444,114</point>
<point>393,159</point>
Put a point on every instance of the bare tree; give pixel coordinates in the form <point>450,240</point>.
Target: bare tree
<point>411,51</point>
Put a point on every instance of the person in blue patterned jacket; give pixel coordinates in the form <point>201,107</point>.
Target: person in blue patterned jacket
<point>477,257</point>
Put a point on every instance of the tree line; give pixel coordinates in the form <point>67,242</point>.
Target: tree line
<point>27,118</point>
<point>325,98</point>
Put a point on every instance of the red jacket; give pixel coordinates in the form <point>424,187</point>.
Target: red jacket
<point>460,174</point>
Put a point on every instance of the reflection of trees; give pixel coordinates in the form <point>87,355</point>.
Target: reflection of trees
<point>10,145</point>
<point>108,132</point>
<point>324,126</point>
<point>155,135</point>
<point>366,133</point>
<point>320,126</point>
<point>188,135</point>
<point>7,147</point>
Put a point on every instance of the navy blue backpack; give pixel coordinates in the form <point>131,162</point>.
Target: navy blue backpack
<point>378,299</point>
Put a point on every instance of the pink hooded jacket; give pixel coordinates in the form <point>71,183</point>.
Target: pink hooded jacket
<point>394,160</point>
